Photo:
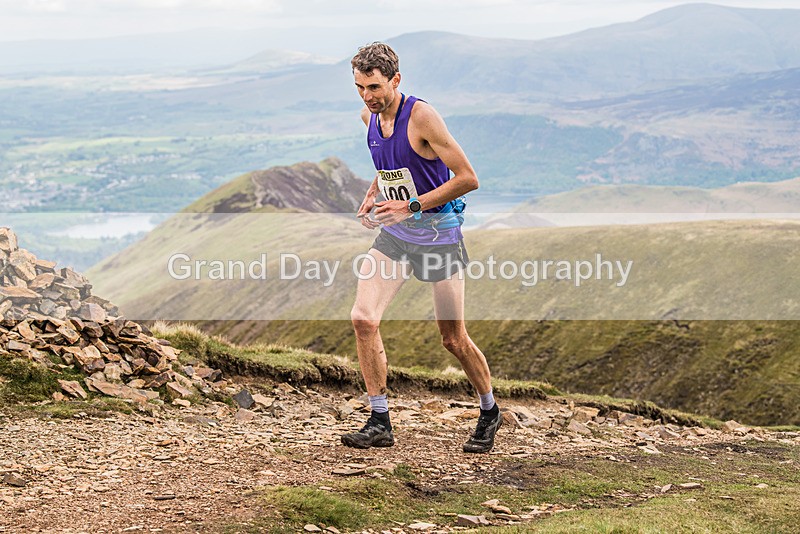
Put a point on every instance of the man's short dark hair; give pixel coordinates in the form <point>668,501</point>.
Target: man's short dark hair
<point>376,56</point>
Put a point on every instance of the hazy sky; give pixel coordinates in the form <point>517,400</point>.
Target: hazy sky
<point>74,19</point>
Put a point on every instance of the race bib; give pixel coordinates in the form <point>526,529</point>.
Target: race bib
<point>397,184</point>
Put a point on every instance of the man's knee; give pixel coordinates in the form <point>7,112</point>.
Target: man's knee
<point>455,343</point>
<point>364,323</point>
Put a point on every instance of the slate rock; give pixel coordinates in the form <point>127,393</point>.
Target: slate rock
<point>14,480</point>
<point>73,388</point>
<point>244,399</point>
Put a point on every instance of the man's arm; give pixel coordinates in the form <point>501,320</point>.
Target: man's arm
<point>433,131</point>
<point>365,113</point>
<point>369,199</point>
<point>430,128</point>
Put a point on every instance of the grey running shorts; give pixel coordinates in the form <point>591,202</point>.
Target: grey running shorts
<point>430,263</point>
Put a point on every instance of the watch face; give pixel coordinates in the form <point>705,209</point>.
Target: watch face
<point>414,206</point>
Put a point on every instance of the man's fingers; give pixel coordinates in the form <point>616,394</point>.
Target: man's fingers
<point>382,214</point>
<point>366,222</point>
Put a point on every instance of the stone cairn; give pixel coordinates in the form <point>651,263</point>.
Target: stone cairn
<point>47,312</point>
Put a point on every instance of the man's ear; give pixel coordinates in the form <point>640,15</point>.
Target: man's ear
<point>396,80</point>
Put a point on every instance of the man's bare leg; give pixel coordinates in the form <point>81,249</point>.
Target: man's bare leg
<point>448,300</point>
<point>373,296</point>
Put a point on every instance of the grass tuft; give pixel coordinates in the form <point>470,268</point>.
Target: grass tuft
<point>25,381</point>
<point>301,367</point>
<point>302,505</point>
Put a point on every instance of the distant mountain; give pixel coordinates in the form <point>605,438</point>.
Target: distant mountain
<point>325,187</point>
<point>775,94</point>
<point>528,153</point>
<point>688,42</point>
<point>540,156</point>
<point>621,104</point>
<point>742,128</point>
<point>751,197</point>
<point>272,61</point>
<point>205,47</point>
<point>648,204</point>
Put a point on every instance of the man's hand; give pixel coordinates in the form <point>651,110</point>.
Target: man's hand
<point>363,212</point>
<point>391,212</point>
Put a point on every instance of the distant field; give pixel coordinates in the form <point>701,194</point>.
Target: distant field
<point>72,147</point>
<point>147,173</point>
<point>155,143</point>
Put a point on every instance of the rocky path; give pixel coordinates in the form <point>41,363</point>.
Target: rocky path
<point>198,468</point>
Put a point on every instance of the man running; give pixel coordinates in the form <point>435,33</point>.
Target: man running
<point>420,226</point>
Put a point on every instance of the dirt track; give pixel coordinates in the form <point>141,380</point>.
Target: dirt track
<point>195,469</point>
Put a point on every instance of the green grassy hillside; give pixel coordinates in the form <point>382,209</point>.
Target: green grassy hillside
<point>747,370</point>
<point>666,350</point>
<point>705,321</point>
<point>696,270</point>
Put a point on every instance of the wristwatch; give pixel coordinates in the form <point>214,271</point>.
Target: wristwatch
<point>415,207</point>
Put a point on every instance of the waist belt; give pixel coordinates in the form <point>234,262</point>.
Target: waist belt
<point>450,216</point>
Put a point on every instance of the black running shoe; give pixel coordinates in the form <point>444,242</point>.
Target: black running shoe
<point>374,434</point>
<point>482,440</point>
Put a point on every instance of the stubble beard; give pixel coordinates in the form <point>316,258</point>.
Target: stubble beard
<point>383,106</point>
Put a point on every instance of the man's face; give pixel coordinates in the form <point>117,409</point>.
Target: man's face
<point>376,90</point>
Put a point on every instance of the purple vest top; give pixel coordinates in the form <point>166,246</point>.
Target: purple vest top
<point>402,173</point>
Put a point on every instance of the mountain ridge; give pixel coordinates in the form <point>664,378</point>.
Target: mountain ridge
<point>336,190</point>
<point>742,197</point>
<point>657,48</point>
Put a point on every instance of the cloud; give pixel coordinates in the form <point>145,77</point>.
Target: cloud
<point>524,19</point>
<point>35,6</point>
<point>20,7</point>
<point>422,10</point>
<point>259,6</point>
